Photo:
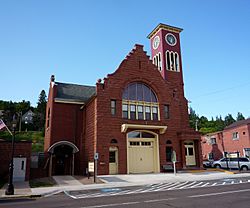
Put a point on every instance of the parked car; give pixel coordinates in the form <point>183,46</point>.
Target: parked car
<point>233,163</point>
<point>207,163</point>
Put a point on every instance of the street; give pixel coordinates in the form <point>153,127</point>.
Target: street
<point>231,195</point>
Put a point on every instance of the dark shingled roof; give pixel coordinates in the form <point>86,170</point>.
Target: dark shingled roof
<point>239,123</point>
<point>74,92</point>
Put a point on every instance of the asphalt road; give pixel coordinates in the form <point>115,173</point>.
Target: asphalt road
<point>235,195</point>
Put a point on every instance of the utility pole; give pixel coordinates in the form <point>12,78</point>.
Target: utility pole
<point>196,125</point>
<point>20,121</point>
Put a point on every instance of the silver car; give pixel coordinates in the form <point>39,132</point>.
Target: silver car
<point>233,163</point>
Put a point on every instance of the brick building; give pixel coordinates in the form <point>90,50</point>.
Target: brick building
<point>234,138</point>
<point>21,159</point>
<point>134,118</point>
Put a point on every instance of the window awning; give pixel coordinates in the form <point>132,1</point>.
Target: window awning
<point>125,127</point>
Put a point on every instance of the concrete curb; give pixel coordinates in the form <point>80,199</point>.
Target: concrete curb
<point>212,170</point>
<point>19,197</point>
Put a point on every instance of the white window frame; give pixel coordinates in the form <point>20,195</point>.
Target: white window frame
<point>236,136</point>
<point>144,104</point>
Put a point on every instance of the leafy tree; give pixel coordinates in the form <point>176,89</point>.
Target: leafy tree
<point>40,112</point>
<point>240,117</point>
<point>193,117</point>
<point>229,120</point>
<point>219,123</point>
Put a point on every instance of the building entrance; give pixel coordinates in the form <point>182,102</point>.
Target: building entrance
<point>62,158</point>
<point>190,154</point>
<point>143,153</point>
<point>113,160</point>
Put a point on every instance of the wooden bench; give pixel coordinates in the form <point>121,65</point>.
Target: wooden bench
<point>168,167</point>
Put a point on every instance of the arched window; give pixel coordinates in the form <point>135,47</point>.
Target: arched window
<point>177,62</point>
<point>139,102</point>
<point>140,134</point>
<point>113,141</point>
<point>160,64</point>
<point>172,61</point>
<point>168,142</point>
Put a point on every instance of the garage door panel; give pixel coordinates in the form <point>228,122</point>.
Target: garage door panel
<point>141,158</point>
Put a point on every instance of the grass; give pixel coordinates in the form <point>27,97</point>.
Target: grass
<point>42,182</point>
<point>36,137</point>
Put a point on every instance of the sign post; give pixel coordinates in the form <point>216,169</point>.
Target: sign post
<point>96,157</point>
<point>174,161</point>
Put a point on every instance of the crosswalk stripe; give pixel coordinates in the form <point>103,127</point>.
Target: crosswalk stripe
<point>180,185</point>
<point>157,187</point>
<point>188,185</point>
<point>205,184</point>
<point>196,185</point>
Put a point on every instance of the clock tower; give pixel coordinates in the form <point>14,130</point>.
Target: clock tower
<point>166,52</point>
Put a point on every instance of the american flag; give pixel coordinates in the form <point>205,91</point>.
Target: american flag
<point>2,124</point>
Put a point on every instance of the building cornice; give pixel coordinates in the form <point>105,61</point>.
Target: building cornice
<point>164,27</point>
<point>125,127</point>
<point>59,100</point>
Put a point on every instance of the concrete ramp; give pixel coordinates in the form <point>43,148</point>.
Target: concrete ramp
<point>66,180</point>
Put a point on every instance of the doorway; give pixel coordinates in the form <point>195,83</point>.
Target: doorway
<point>113,160</point>
<point>19,168</point>
<point>190,154</point>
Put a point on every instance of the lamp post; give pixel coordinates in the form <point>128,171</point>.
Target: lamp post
<point>10,187</point>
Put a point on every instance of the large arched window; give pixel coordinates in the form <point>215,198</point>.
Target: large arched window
<point>139,102</point>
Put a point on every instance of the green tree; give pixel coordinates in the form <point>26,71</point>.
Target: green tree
<point>40,112</point>
<point>193,118</point>
<point>240,117</point>
<point>229,120</point>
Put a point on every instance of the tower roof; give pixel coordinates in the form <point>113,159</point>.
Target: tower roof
<point>166,27</point>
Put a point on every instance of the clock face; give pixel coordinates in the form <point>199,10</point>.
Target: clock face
<point>156,42</point>
<point>171,39</point>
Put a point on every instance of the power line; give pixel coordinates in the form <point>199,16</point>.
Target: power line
<point>222,90</point>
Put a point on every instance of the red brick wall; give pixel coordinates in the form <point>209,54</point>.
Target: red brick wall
<point>237,145</point>
<point>22,149</point>
<point>93,127</point>
<point>89,128</point>
<point>66,123</point>
<point>49,107</point>
<point>109,127</point>
<point>217,149</point>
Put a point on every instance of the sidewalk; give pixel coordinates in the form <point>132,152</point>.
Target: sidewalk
<point>69,183</point>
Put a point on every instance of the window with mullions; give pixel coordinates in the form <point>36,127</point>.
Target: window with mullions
<point>113,107</point>
<point>139,102</point>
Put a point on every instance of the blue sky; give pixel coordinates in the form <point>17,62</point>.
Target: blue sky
<point>81,41</point>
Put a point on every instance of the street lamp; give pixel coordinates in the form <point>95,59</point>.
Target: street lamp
<point>10,187</point>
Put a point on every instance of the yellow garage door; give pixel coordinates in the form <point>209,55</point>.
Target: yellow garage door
<point>141,157</point>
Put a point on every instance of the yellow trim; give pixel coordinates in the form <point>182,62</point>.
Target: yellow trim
<point>125,127</point>
<point>57,100</point>
<point>165,27</point>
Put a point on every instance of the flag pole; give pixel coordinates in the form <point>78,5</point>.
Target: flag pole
<point>9,130</point>
<point>3,125</point>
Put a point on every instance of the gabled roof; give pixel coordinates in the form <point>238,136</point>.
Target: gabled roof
<point>238,123</point>
<point>74,92</point>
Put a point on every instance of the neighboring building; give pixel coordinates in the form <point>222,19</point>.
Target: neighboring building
<point>21,159</point>
<point>27,118</point>
<point>234,138</point>
<point>212,146</point>
<point>133,119</point>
